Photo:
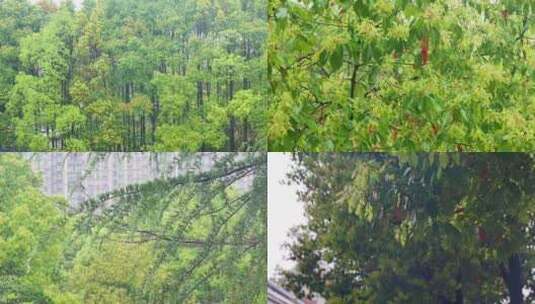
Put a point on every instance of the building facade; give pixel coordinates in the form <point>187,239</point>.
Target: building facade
<point>81,176</point>
<point>279,295</point>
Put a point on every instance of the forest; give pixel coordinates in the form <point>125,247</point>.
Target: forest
<point>199,237</point>
<point>133,75</point>
<point>445,228</point>
<point>401,75</point>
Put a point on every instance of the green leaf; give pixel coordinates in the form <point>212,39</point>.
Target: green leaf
<point>337,58</point>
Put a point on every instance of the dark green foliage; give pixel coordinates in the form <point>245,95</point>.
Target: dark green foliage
<point>426,228</point>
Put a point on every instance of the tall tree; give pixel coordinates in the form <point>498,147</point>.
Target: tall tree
<point>437,228</point>
<point>20,19</point>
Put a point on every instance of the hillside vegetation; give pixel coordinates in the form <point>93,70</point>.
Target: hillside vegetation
<point>132,75</point>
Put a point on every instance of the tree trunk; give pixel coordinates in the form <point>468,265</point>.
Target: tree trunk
<point>515,280</point>
<point>512,276</point>
<point>353,81</point>
<point>232,127</point>
<point>459,297</point>
<point>154,117</point>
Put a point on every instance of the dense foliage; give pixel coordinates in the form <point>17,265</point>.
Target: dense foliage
<point>33,229</point>
<point>402,75</point>
<point>196,238</point>
<point>427,228</point>
<point>132,75</point>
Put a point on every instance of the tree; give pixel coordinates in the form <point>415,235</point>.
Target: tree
<point>169,71</point>
<point>46,56</point>
<point>32,234</point>
<point>401,75</point>
<point>199,237</point>
<point>437,228</point>
<point>20,19</point>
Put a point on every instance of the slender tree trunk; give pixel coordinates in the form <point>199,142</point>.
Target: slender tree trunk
<point>353,81</point>
<point>134,136</point>
<point>459,298</point>
<point>512,276</point>
<point>154,117</point>
<point>143,131</point>
<point>200,94</point>
<point>515,280</point>
<point>232,128</point>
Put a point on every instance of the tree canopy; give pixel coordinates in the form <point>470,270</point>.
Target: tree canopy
<point>400,75</point>
<point>416,228</point>
<point>33,230</point>
<point>196,238</point>
<point>122,75</point>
